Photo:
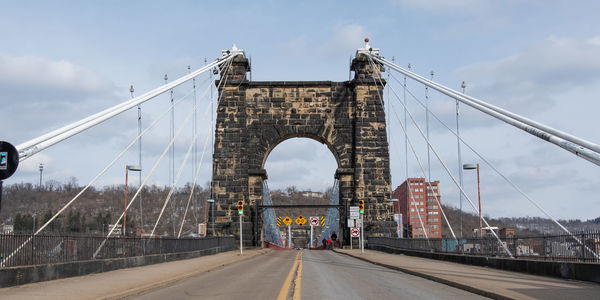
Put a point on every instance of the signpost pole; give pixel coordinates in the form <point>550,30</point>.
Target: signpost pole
<point>241,253</point>
<point>351,242</point>
<point>0,195</point>
<point>289,237</point>
<point>311,235</point>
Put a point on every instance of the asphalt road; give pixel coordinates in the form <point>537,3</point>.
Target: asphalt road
<point>305,275</point>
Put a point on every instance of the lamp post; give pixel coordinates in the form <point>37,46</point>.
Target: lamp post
<point>127,169</point>
<point>472,167</point>
<point>212,204</point>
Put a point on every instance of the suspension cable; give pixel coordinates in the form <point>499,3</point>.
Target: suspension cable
<point>106,168</point>
<point>454,179</point>
<point>510,182</point>
<point>373,67</point>
<point>175,181</point>
<point>435,194</point>
<point>29,148</point>
<point>194,183</point>
<point>142,185</point>
<point>573,144</point>
<point>419,161</point>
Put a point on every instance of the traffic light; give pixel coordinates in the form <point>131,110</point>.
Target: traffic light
<point>361,206</point>
<point>240,207</point>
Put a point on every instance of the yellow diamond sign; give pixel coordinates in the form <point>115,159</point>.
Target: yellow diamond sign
<point>287,221</point>
<point>300,220</point>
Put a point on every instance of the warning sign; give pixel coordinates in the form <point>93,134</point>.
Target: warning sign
<point>287,221</point>
<point>279,221</point>
<point>300,220</point>
<point>314,221</point>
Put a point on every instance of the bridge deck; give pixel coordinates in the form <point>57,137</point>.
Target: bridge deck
<point>319,274</point>
<point>492,282</point>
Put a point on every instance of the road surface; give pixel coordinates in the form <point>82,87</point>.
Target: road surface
<point>305,275</point>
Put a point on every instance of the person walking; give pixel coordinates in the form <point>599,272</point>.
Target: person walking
<point>333,239</point>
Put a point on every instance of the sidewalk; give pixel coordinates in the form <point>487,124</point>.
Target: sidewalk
<point>493,283</point>
<point>125,282</point>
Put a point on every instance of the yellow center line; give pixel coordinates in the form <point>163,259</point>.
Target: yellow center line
<point>288,280</point>
<point>298,280</point>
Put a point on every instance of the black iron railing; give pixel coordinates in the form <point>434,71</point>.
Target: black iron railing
<point>22,249</point>
<point>585,248</point>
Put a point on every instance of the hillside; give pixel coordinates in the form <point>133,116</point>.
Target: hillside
<point>98,207</point>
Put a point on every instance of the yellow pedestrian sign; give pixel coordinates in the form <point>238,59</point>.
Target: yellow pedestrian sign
<point>287,221</point>
<point>300,220</point>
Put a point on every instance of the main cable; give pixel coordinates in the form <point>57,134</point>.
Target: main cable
<point>29,148</point>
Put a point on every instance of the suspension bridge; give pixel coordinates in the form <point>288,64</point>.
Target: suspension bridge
<point>248,119</point>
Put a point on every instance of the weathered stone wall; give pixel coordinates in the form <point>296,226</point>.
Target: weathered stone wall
<point>254,117</point>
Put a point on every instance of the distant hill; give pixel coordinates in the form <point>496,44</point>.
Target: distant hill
<point>98,207</point>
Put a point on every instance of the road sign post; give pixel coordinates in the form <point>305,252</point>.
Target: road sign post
<point>311,235</point>
<point>288,221</point>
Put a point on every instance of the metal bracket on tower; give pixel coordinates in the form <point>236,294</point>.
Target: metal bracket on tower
<point>233,51</point>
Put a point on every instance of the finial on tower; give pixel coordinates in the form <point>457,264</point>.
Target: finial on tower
<point>368,49</point>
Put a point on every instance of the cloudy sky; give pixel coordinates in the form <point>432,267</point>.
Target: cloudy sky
<point>63,60</point>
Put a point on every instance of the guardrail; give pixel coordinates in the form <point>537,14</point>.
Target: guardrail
<point>48,249</point>
<point>546,247</point>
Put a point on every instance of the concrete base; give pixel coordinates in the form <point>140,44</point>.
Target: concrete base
<point>29,274</point>
<point>567,270</point>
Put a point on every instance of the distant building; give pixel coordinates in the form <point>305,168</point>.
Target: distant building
<point>8,229</point>
<point>312,194</point>
<point>487,232</point>
<point>505,233</point>
<point>423,204</point>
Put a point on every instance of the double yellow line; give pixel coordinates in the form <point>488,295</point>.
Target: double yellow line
<point>297,266</point>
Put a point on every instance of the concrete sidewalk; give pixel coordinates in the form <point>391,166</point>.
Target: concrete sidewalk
<point>125,282</point>
<point>493,283</point>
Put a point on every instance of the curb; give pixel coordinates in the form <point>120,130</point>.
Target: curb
<point>163,283</point>
<point>461,286</point>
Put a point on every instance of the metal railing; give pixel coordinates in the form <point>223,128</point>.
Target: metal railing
<point>15,250</point>
<point>546,247</point>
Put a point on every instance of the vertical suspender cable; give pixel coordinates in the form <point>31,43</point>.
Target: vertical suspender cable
<point>460,170</point>
<point>427,128</point>
<point>406,156</point>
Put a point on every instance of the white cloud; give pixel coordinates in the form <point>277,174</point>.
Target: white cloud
<point>342,39</point>
<point>43,94</point>
<point>534,79</point>
<point>30,73</point>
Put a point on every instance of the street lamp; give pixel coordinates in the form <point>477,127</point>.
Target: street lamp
<point>127,169</point>
<point>212,201</point>
<point>473,167</point>
<point>41,167</point>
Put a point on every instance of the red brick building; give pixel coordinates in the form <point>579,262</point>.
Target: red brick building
<point>423,203</point>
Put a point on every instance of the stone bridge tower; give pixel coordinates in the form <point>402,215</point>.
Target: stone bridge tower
<point>255,116</point>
